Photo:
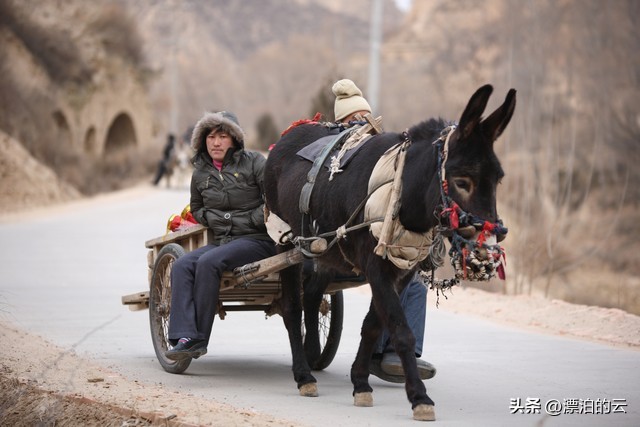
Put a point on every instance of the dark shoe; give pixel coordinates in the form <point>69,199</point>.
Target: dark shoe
<point>392,365</point>
<point>191,349</point>
<point>375,369</point>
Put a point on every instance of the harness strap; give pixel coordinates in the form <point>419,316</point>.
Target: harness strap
<point>341,232</point>
<point>307,188</point>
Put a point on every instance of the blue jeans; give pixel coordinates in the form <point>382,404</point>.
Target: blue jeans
<point>414,303</point>
<point>195,284</point>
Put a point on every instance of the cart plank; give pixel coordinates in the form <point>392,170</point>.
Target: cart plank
<point>196,231</point>
<point>137,301</point>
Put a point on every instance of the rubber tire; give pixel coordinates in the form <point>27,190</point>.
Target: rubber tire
<point>329,328</point>
<point>160,307</point>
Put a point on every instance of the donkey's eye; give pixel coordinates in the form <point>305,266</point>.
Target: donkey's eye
<point>463,185</point>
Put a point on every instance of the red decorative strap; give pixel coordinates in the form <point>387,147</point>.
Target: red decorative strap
<point>315,119</point>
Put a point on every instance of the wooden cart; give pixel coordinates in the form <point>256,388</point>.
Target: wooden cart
<point>253,287</point>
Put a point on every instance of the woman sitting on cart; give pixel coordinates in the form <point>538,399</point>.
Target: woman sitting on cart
<point>226,196</point>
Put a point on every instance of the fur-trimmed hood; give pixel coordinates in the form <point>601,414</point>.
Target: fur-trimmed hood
<point>225,119</point>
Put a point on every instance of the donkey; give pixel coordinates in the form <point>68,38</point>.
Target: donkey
<point>466,176</point>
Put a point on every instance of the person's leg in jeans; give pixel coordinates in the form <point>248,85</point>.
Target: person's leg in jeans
<point>209,270</point>
<point>413,299</point>
<point>386,364</point>
<point>182,316</point>
<point>196,305</point>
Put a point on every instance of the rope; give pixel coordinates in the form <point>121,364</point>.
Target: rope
<point>446,133</point>
<point>439,285</point>
<point>340,233</point>
<point>352,142</point>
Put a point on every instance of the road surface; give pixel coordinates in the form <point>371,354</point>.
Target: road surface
<point>62,275</point>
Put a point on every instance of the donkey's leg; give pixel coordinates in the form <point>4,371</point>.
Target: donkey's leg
<point>292,316</point>
<point>389,309</point>
<point>314,285</point>
<point>312,296</point>
<point>371,330</point>
<point>404,344</point>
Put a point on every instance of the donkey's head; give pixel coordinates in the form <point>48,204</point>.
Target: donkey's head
<point>470,173</point>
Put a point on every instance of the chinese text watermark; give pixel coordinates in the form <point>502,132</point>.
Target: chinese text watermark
<point>555,407</point>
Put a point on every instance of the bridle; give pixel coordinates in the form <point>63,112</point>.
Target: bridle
<point>461,227</point>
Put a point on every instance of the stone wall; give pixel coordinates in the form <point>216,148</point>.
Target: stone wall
<point>104,111</point>
<point>114,116</point>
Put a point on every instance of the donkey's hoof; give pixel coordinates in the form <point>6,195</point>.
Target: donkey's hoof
<point>309,390</point>
<point>363,399</point>
<point>424,413</point>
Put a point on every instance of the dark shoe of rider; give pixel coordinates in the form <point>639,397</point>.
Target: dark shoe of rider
<point>187,348</point>
<point>392,365</point>
<point>375,369</point>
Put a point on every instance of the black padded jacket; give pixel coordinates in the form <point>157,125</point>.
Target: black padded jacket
<point>230,201</point>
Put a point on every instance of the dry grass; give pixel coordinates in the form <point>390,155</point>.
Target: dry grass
<point>24,403</point>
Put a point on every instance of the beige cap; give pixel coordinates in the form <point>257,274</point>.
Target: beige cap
<point>348,99</point>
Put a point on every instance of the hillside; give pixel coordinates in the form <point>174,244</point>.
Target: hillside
<point>27,183</point>
<point>75,96</point>
<point>94,101</point>
<point>252,57</point>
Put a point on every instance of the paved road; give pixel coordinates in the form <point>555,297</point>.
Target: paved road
<point>62,276</point>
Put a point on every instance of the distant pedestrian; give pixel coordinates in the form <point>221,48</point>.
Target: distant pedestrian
<point>165,165</point>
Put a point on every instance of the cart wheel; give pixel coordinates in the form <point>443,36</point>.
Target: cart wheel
<point>330,317</point>
<point>160,307</point>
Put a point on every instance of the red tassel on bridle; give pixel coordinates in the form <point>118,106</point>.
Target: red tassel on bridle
<point>487,230</point>
<point>452,213</point>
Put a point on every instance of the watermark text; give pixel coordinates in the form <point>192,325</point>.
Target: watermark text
<point>555,407</point>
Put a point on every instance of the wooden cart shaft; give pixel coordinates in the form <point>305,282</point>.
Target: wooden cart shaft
<point>252,285</point>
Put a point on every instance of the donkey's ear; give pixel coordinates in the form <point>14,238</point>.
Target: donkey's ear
<point>495,124</point>
<point>473,111</point>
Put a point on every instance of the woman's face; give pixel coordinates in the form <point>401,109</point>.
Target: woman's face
<point>218,142</point>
